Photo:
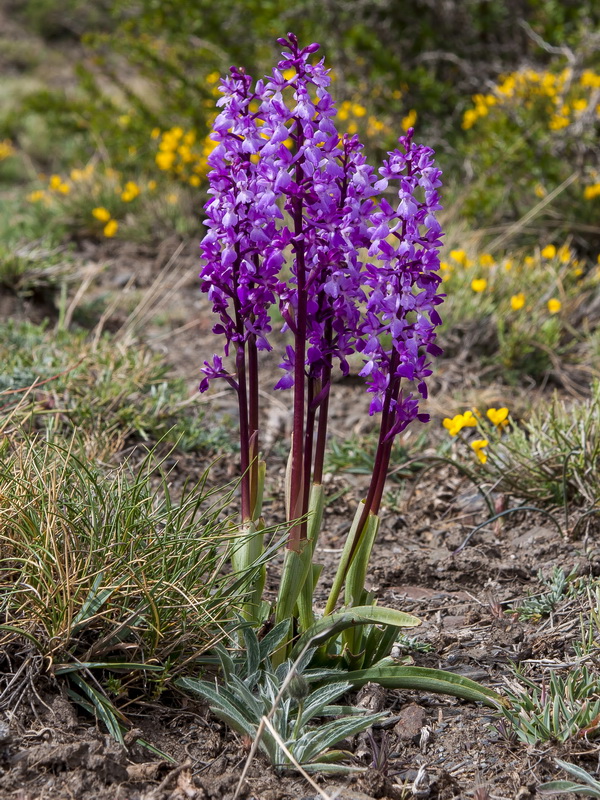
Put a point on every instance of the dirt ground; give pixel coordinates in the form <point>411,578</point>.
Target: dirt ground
<point>433,746</point>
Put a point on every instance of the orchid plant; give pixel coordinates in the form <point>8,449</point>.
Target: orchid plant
<point>299,222</point>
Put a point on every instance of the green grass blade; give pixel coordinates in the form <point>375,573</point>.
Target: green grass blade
<point>103,708</point>
<point>391,676</point>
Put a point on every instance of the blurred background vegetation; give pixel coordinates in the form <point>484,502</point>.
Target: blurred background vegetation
<point>507,93</point>
<point>105,111</point>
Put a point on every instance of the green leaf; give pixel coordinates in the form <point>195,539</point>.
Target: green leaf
<point>226,661</point>
<point>332,624</point>
<point>392,676</point>
<point>271,641</point>
<point>252,655</point>
<point>357,572</point>
<point>20,632</point>
<point>320,698</point>
<point>331,769</point>
<point>115,666</point>
<point>219,705</point>
<point>93,602</point>
<point>315,742</point>
<point>579,773</point>
<point>103,708</point>
<point>296,567</point>
<point>559,787</point>
<point>160,753</point>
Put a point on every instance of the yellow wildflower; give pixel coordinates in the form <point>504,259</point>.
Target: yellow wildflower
<point>590,79</point>
<point>508,264</point>
<point>549,251</point>
<point>517,301</point>
<point>529,261</point>
<point>111,228</point>
<point>554,305</point>
<point>152,185</point>
<point>155,133</point>
<point>479,285</point>
<point>486,260</point>
<point>469,420</point>
<point>478,445</point>
<point>459,256</point>
<point>64,188</point>
<point>35,197</point>
<point>171,198</point>
<point>564,254</point>
<point>409,120</point>
<point>100,213</point>
<point>77,175</point>
<point>164,160</point>
<point>130,192</point>
<point>194,180</point>
<point>6,149</point>
<point>498,416</point>
<point>469,119</point>
<point>591,192</point>
<point>55,182</point>
<point>458,422</point>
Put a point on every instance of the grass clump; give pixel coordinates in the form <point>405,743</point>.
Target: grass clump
<point>110,578</point>
<point>109,391</point>
<point>562,708</point>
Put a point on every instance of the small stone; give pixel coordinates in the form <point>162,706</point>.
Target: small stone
<point>412,719</point>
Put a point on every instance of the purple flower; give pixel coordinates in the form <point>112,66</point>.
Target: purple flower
<point>400,317</point>
<point>317,200</point>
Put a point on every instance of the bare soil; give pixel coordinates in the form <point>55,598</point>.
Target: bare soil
<point>436,747</point>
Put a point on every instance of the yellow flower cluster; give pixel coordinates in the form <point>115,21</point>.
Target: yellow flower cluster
<point>455,424</point>
<point>355,116</point>
<point>103,215</point>
<point>517,301</point>
<point>563,99</point>
<point>37,196</point>
<point>409,120</point>
<point>470,419</point>
<point>180,154</point>
<point>57,184</point>
<point>130,191</point>
<point>498,416</point>
<point>459,258</point>
<point>592,191</point>
<point>6,149</point>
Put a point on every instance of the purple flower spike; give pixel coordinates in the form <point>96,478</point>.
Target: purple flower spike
<point>294,208</point>
<point>400,318</point>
